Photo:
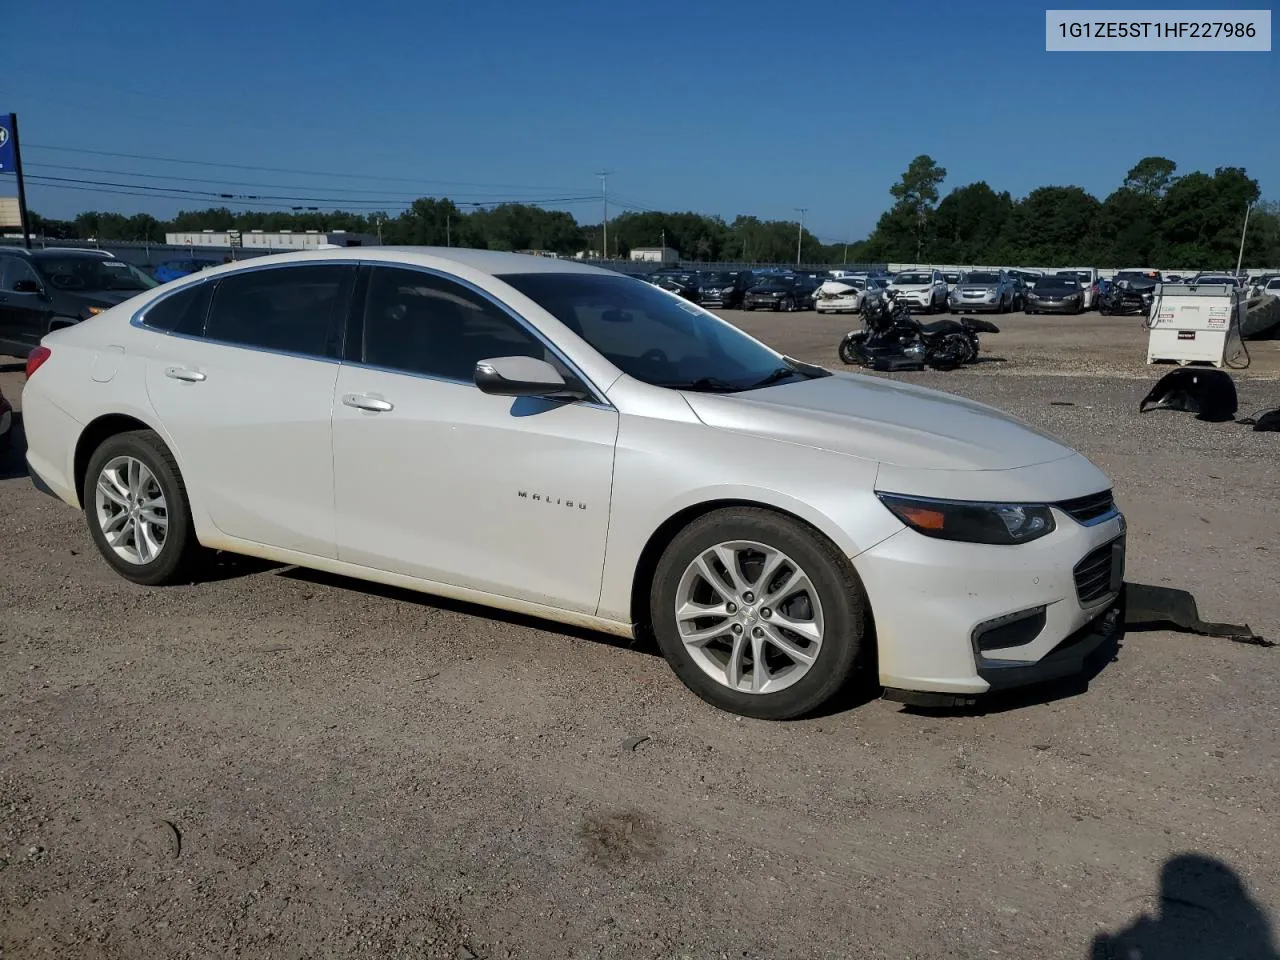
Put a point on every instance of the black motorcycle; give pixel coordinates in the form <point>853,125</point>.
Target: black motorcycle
<point>1124,297</point>
<point>892,339</point>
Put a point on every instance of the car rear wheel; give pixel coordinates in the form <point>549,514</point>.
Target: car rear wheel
<point>137,509</point>
<point>758,614</point>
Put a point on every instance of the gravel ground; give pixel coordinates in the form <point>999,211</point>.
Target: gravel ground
<point>274,763</point>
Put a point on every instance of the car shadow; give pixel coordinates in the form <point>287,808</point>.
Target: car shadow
<point>13,366</point>
<point>1202,911</point>
<point>13,455</point>
<point>335,581</point>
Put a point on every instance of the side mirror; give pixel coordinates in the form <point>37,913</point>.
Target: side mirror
<point>522,377</point>
<point>27,286</point>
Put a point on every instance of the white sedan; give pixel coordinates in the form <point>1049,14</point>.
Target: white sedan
<point>845,294</point>
<point>564,441</point>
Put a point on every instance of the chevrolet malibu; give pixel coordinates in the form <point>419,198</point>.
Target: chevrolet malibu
<point>567,442</point>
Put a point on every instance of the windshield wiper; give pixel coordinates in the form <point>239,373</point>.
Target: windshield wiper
<point>797,368</point>
<point>705,384</point>
<point>782,373</point>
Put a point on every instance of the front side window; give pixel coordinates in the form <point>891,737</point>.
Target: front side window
<point>288,309</point>
<point>420,323</point>
<point>14,270</point>
<point>93,274</point>
<point>654,336</point>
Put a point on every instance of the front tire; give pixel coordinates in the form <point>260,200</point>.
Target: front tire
<point>136,505</point>
<point>758,614</point>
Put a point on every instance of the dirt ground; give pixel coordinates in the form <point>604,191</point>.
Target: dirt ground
<point>274,763</point>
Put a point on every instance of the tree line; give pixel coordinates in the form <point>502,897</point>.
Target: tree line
<point>1155,217</point>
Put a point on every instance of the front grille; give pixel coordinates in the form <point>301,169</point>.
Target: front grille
<point>1093,573</point>
<point>1087,509</point>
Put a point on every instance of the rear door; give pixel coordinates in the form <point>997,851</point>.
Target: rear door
<point>246,392</point>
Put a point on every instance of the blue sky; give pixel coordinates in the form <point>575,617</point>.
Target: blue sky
<point>719,107</point>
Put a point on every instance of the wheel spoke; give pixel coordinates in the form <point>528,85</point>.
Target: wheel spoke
<point>690,610</point>
<point>698,638</point>
<point>806,628</point>
<point>150,515</point>
<point>784,644</point>
<point>148,546</point>
<point>115,524</point>
<point>772,561</point>
<point>787,587</point>
<point>729,557</point>
<point>733,670</point>
<point>713,580</point>
<point>134,481</point>
<point>759,672</point>
<point>109,489</point>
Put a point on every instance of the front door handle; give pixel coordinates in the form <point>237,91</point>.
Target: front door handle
<point>364,402</point>
<point>184,374</point>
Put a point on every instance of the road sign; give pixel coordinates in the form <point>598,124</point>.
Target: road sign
<point>8,163</point>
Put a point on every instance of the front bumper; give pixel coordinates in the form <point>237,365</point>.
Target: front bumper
<point>913,299</point>
<point>935,603</point>
<point>977,306</point>
<point>1054,306</point>
<point>767,303</point>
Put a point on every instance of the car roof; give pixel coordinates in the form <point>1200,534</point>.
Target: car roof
<point>492,262</point>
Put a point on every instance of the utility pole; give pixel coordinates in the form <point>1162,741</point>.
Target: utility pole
<point>9,136</point>
<point>800,233</point>
<point>448,229</point>
<point>1243,231</point>
<point>604,197</point>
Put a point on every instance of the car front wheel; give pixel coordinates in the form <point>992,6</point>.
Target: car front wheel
<point>137,509</point>
<point>758,614</point>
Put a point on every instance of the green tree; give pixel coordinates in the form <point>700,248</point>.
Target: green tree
<point>969,221</point>
<point>1151,176</point>
<point>916,195</point>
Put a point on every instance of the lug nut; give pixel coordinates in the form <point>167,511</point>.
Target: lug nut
<point>757,632</point>
<point>766,612</point>
<point>737,628</point>
<point>731,607</point>
<point>749,597</point>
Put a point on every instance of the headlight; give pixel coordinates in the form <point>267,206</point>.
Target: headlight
<point>971,522</point>
<point>94,311</point>
<point>726,290</point>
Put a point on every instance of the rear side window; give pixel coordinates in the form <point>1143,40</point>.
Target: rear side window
<point>181,312</point>
<point>287,309</point>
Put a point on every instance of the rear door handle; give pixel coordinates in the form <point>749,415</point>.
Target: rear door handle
<point>184,374</point>
<point>364,402</point>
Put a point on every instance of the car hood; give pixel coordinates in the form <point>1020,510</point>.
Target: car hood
<point>101,298</point>
<point>877,419</point>
<point>977,287</point>
<point>911,287</point>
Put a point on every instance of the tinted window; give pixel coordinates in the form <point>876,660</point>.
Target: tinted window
<point>290,309</point>
<point>88,273</point>
<point>421,323</point>
<point>13,269</point>
<point>181,312</point>
<point>977,277</point>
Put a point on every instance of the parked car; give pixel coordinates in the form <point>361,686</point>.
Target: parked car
<point>1259,283</point>
<point>724,289</point>
<point>1088,278</point>
<point>774,293</point>
<point>807,290</point>
<point>1056,294</point>
<point>685,283</point>
<point>983,290</point>
<point>847,294</point>
<point>1141,276</point>
<point>1272,289</point>
<point>173,269</point>
<point>6,423</point>
<point>921,290</point>
<point>1225,279</point>
<point>952,277</point>
<point>1028,278</point>
<point>436,419</point>
<point>42,290</point>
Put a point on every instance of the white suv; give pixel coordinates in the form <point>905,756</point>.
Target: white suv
<point>921,290</point>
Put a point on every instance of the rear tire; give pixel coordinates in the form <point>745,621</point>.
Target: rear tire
<point>831,593</point>
<point>157,504</point>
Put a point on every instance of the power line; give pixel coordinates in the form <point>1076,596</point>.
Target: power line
<point>305,173</point>
<point>219,182</point>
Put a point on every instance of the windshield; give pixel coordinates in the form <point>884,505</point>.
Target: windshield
<point>978,277</point>
<point>1084,276</point>
<point>92,274</point>
<point>1058,283</point>
<point>914,279</point>
<point>720,279</point>
<point>951,277</point>
<point>654,336</point>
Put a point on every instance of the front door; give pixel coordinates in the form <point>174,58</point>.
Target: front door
<point>436,480</point>
<point>24,314</point>
<point>248,401</point>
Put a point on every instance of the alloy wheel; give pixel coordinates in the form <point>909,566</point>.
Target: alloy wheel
<point>131,510</point>
<point>749,616</point>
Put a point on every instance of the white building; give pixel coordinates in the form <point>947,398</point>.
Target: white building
<point>655,254</point>
<point>260,239</point>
